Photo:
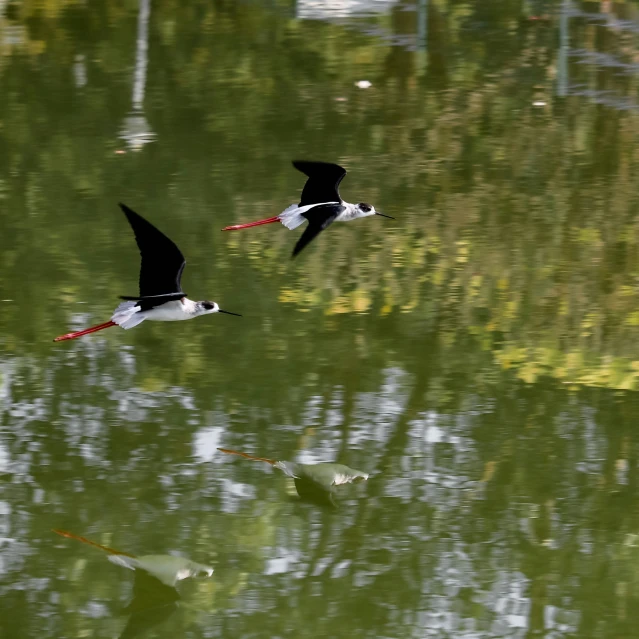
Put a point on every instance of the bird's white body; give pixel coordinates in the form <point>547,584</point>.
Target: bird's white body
<point>129,314</point>
<point>293,216</point>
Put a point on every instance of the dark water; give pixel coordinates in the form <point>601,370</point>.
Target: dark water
<point>478,357</point>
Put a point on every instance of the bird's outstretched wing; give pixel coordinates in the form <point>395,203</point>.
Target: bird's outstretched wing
<point>323,181</point>
<point>319,218</point>
<point>162,261</point>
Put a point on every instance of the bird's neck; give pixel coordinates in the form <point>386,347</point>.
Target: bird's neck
<point>189,306</point>
<point>350,212</point>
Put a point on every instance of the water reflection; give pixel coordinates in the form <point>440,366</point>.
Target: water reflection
<point>136,130</point>
<point>332,9</point>
<point>154,594</point>
<point>313,482</point>
<point>480,361</point>
<point>152,604</point>
<point>165,568</point>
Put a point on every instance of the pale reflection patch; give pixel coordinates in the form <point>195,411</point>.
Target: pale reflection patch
<point>4,459</point>
<point>331,9</point>
<point>206,442</point>
<point>281,564</point>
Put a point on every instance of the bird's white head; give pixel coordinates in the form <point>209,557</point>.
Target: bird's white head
<point>204,308</point>
<point>364,210</point>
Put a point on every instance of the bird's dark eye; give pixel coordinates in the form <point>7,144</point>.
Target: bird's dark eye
<point>207,306</point>
<point>365,207</point>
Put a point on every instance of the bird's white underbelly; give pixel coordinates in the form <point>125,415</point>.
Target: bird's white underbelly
<point>173,311</point>
<point>164,316</point>
<point>128,314</point>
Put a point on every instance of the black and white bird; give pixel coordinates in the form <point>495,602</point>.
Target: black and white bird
<point>320,205</point>
<point>161,298</point>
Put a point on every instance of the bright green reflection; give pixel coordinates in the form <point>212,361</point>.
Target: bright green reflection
<point>477,356</point>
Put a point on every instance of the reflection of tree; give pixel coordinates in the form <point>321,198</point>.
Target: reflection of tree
<point>152,603</point>
<point>136,130</point>
<point>513,262</point>
<point>509,485</point>
<point>514,229</point>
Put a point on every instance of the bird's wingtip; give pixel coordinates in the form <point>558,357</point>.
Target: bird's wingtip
<point>125,209</point>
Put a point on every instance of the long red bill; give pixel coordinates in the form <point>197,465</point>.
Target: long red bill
<point>237,227</point>
<point>86,331</point>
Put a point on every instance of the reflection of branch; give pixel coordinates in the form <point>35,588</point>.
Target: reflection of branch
<point>607,20</point>
<point>348,404</point>
<point>422,24</point>
<point>564,43</point>
<point>397,442</point>
<point>318,555</point>
<point>141,54</point>
<point>395,446</point>
<point>136,130</point>
<point>153,603</point>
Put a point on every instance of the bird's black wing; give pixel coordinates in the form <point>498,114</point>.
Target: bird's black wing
<point>162,261</point>
<point>318,218</point>
<point>323,181</point>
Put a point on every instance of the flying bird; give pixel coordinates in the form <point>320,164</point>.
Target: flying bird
<point>320,205</point>
<point>161,298</point>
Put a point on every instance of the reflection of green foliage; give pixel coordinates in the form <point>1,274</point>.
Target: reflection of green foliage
<point>513,258</point>
<point>510,227</point>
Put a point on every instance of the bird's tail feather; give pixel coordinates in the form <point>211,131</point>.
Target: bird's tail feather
<point>127,315</point>
<point>293,216</point>
<point>86,331</point>
<point>237,227</point>
<point>126,561</point>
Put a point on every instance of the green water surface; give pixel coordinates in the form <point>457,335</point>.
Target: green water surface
<point>477,357</point>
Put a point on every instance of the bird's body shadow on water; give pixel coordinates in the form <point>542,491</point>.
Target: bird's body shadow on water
<point>152,604</point>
